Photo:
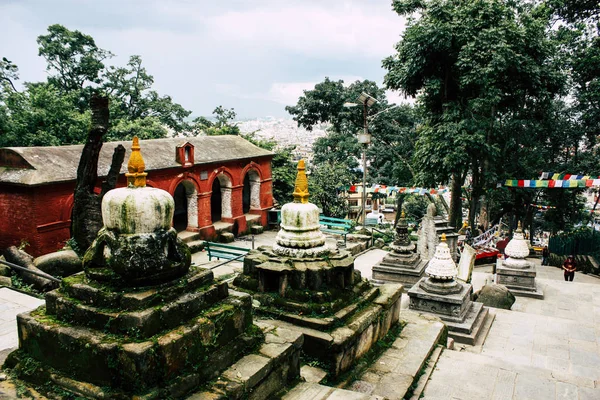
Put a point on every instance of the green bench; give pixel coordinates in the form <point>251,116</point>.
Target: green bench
<point>225,251</point>
<point>336,226</point>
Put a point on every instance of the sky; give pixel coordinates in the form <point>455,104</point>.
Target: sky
<point>255,56</point>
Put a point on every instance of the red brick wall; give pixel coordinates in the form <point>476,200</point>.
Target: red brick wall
<point>41,215</point>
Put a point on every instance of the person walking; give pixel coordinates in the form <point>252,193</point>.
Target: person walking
<point>545,255</point>
<point>569,267</point>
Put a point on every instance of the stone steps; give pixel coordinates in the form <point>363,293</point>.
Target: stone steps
<point>479,331</point>
<point>395,372</point>
<point>314,391</point>
<point>187,236</point>
<point>262,374</point>
<point>431,363</point>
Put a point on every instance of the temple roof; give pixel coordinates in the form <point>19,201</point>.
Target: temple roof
<point>43,165</point>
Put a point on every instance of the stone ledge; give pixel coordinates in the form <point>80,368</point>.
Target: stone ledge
<point>146,323</point>
<point>260,376</point>
<point>394,372</point>
<point>125,362</point>
<point>98,295</point>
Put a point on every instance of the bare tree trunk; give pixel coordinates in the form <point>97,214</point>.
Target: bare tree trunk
<point>455,213</point>
<point>87,215</point>
<point>22,259</point>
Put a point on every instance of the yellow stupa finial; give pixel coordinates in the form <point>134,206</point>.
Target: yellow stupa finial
<point>402,214</point>
<point>136,177</point>
<point>301,188</point>
<point>443,237</point>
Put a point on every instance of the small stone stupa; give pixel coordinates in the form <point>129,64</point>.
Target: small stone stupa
<point>402,264</point>
<point>442,295</point>
<point>139,322</point>
<point>516,272</point>
<point>302,282</point>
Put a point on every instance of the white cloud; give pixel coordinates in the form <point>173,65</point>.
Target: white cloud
<point>313,30</point>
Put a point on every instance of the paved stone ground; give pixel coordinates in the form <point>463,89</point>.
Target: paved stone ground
<point>542,349</point>
<point>11,304</point>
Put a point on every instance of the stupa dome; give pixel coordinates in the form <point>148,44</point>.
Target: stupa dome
<point>441,266</point>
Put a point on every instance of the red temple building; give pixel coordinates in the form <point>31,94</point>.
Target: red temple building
<point>218,182</point>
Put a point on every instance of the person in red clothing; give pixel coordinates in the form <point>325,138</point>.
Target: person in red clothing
<point>569,267</point>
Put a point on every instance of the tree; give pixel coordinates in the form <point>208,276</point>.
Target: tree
<point>132,98</point>
<point>393,130</point>
<point>57,112</point>
<point>325,184</point>
<point>483,71</point>
<point>87,214</point>
<point>224,124</point>
<point>73,58</point>
<point>9,73</point>
<point>41,115</point>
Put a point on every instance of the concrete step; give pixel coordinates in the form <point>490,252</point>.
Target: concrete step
<point>314,391</point>
<point>394,373</point>
<point>422,382</point>
<point>481,328</point>
<point>187,236</point>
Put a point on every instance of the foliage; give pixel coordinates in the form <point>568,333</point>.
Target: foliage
<point>415,207</point>
<point>487,75</point>
<point>326,180</point>
<point>132,99</point>
<point>56,112</point>
<point>388,157</point>
<point>224,124</point>
<point>73,58</point>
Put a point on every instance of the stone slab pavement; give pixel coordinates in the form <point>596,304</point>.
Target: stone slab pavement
<point>11,304</point>
<point>541,349</point>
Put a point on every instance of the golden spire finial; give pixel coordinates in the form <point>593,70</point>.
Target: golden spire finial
<point>136,176</point>
<point>443,237</point>
<point>301,188</point>
<point>402,214</point>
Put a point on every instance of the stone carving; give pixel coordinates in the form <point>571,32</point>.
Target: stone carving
<point>137,245</point>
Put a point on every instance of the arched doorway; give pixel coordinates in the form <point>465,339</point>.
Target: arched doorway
<point>186,206</point>
<point>220,199</point>
<point>251,192</point>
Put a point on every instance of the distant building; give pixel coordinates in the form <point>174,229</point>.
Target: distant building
<point>218,183</point>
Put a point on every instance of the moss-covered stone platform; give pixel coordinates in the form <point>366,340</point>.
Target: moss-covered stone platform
<point>340,314</point>
<point>164,341</point>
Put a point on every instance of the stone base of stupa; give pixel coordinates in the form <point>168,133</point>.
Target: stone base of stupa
<point>399,268</point>
<point>520,282</point>
<point>467,321</point>
<point>340,314</point>
<point>156,342</point>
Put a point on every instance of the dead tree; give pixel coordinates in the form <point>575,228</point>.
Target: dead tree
<point>87,215</point>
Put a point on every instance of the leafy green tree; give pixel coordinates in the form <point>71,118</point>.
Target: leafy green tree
<point>73,58</point>
<point>224,124</point>
<point>393,130</point>
<point>56,112</point>
<point>326,181</point>
<point>41,116</point>
<point>132,99</point>
<point>480,70</point>
<point>9,73</point>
